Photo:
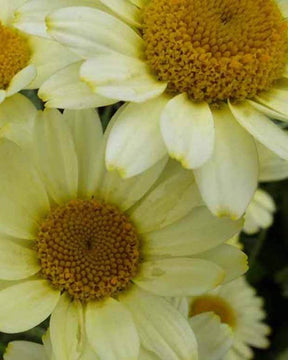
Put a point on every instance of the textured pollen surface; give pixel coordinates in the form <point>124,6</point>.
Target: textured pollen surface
<point>212,303</point>
<point>14,54</point>
<point>89,249</point>
<point>215,49</point>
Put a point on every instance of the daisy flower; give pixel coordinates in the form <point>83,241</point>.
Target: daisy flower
<point>203,79</point>
<point>99,253</point>
<point>238,306</point>
<point>27,60</point>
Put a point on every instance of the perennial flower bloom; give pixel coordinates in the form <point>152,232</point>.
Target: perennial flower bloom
<point>27,60</point>
<point>203,78</point>
<point>238,306</point>
<point>100,253</point>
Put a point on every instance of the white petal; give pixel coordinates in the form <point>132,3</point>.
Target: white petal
<point>272,167</point>
<point>30,17</point>
<point>267,111</point>
<point>65,330</point>
<point>17,115</point>
<point>89,31</point>
<point>262,128</point>
<point>24,201</point>
<point>188,131</point>
<point>214,339</point>
<point>228,180</point>
<point>146,355</point>
<point>170,201</point>
<point>48,57</point>
<point>275,99</point>
<point>56,155</point>
<point>21,80</point>
<point>65,90</point>
<point>179,276</point>
<point>121,77</point>
<point>2,96</point>
<point>198,231</point>
<point>26,305</point>
<point>125,193</point>
<point>24,350</point>
<point>283,5</point>
<point>135,142</point>
<point>139,3</point>
<point>265,200</point>
<point>126,10</point>
<point>16,261</point>
<point>232,260</point>
<point>89,142</point>
<point>7,10</point>
<point>162,329</point>
<point>111,330</point>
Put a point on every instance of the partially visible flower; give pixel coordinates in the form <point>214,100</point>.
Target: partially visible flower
<point>100,253</point>
<point>241,309</point>
<point>202,80</point>
<point>26,350</point>
<point>26,59</point>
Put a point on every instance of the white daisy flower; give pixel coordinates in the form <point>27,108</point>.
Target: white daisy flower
<point>203,78</point>
<point>100,253</point>
<point>237,306</point>
<point>26,59</point>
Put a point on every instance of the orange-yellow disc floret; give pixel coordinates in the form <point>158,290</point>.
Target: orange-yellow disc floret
<point>14,55</point>
<point>88,249</point>
<point>215,49</point>
<point>216,304</point>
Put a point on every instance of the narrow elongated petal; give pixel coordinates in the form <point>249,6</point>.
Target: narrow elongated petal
<point>26,305</point>
<point>111,331</point>
<point>16,261</point>
<point>121,77</point>
<point>262,128</point>
<point>56,155</point>
<point>135,142</point>
<point>196,232</point>
<point>23,203</point>
<point>188,131</point>
<point>24,350</point>
<point>65,90</point>
<point>21,80</point>
<point>228,180</point>
<point>162,329</point>
<point>275,99</point>
<point>87,31</point>
<point>126,10</point>
<point>179,276</point>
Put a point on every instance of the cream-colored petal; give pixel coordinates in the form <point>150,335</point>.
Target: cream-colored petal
<point>276,100</point>
<point>7,10</point>
<point>228,180</point>
<point>267,111</point>
<point>90,32</point>
<point>232,260</point>
<point>89,142</point>
<point>25,305</point>
<point>56,155</point>
<point>198,231</point>
<point>24,201</point>
<point>139,3</point>
<point>2,96</point>
<point>214,338</point>
<point>170,201</point>
<point>272,167</point>
<point>188,131</point>
<point>65,331</point>
<point>126,192</point>
<point>65,90</point>
<point>265,200</point>
<point>16,261</point>
<point>262,128</point>
<point>30,17</point>
<point>24,350</point>
<point>126,10</point>
<point>146,355</point>
<point>179,276</point>
<point>48,57</point>
<point>17,115</point>
<point>162,329</point>
<point>135,142</point>
<point>111,331</point>
<point>121,77</point>
<point>283,4</point>
<point>21,80</point>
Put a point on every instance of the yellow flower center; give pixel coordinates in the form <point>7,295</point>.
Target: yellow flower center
<point>215,49</point>
<point>89,249</point>
<point>216,304</point>
<point>14,55</point>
